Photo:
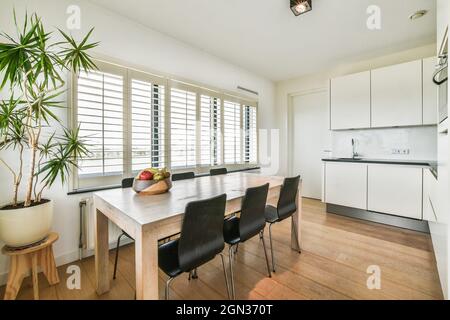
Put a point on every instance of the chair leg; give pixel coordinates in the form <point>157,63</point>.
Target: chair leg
<point>261,235</point>
<point>271,247</point>
<point>226,276</point>
<point>193,274</point>
<point>294,227</point>
<point>117,255</point>
<point>230,260</point>
<point>168,287</point>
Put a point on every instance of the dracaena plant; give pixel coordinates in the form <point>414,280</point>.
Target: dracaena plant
<point>32,72</point>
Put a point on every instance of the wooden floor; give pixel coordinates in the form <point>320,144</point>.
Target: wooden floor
<point>336,254</point>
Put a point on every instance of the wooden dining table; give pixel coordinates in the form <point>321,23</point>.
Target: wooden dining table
<point>147,219</point>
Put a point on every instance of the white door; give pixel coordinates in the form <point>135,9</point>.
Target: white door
<point>310,138</point>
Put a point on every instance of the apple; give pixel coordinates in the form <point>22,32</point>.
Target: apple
<point>146,175</point>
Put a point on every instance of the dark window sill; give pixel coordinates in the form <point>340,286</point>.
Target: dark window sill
<point>87,190</point>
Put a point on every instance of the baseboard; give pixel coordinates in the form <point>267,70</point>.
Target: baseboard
<point>396,221</point>
<point>68,257</point>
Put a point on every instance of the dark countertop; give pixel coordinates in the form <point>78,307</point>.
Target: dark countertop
<point>432,165</point>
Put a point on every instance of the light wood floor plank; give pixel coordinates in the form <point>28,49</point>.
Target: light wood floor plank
<point>336,253</point>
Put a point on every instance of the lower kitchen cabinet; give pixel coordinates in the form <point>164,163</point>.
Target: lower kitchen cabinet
<point>429,196</point>
<point>395,190</point>
<point>346,184</point>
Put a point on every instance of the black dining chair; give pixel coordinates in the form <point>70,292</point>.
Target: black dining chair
<point>250,223</point>
<point>200,241</point>
<point>183,176</point>
<point>285,208</point>
<point>126,183</point>
<point>218,171</point>
<point>179,177</point>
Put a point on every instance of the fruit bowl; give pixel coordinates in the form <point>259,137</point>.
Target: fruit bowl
<point>152,181</point>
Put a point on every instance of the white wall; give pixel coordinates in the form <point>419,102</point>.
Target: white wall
<point>127,41</point>
<point>319,80</point>
<point>378,143</point>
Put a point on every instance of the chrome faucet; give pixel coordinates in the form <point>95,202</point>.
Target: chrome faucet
<point>354,153</point>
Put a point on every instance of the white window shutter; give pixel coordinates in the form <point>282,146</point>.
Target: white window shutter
<point>100,113</point>
<point>232,132</point>
<point>183,128</point>
<point>147,125</point>
<point>210,131</point>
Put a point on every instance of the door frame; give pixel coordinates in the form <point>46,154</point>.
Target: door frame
<point>290,124</point>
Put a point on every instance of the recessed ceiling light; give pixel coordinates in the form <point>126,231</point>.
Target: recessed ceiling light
<point>299,7</point>
<point>418,14</point>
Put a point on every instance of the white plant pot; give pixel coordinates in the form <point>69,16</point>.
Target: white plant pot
<point>25,226</point>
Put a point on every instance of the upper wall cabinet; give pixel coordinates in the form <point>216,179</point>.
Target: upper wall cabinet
<point>430,92</point>
<point>443,7</point>
<point>350,101</point>
<point>397,95</point>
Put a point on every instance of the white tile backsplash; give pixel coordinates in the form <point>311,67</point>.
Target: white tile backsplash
<point>380,143</point>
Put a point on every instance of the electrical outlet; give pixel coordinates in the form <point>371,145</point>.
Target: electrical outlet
<point>405,151</point>
<point>401,151</point>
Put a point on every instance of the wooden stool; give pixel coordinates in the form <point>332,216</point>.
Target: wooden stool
<point>26,259</point>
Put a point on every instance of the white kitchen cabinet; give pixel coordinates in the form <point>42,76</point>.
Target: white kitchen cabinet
<point>430,92</point>
<point>443,17</point>
<point>350,101</point>
<point>429,196</point>
<point>443,203</point>
<point>346,184</point>
<point>397,95</point>
<point>396,190</point>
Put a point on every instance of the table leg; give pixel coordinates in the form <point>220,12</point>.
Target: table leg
<point>101,252</point>
<point>146,247</point>
<point>296,223</point>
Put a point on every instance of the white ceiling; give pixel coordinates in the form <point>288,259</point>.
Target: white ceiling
<point>264,36</point>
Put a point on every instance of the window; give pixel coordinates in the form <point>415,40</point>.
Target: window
<point>147,125</point>
<point>183,122</point>
<point>250,135</point>
<point>131,120</point>
<point>232,132</point>
<point>211,134</point>
<point>100,114</point>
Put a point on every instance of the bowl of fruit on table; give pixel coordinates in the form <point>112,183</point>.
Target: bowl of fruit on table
<point>152,181</point>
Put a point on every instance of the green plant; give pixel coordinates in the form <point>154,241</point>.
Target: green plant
<point>32,69</point>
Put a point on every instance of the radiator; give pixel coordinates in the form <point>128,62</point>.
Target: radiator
<point>87,232</point>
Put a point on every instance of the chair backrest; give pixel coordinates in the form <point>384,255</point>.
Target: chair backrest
<point>286,203</point>
<point>183,176</point>
<point>219,171</point>
<point>252,219</point>
<point>127,182</point>
<point>201,237</point>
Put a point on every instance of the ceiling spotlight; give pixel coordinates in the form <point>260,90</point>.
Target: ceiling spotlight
<point>418,14</point>
<point>299,7</point>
